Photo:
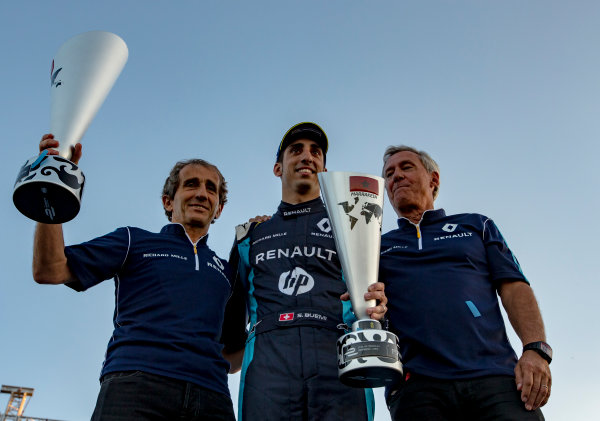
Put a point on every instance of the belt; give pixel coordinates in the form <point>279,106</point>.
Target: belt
<point>295,318</point>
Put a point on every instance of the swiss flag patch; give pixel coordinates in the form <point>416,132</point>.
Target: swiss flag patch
<point>286,317</point>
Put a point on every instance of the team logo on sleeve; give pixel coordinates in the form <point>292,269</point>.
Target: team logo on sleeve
<point>295,282</point>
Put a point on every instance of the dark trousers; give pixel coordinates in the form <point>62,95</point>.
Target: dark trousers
<point>487,398</point>
<point>135,395</point>
<point>293,376</point>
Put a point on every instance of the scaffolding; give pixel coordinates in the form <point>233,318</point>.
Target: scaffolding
<point>17,402</point>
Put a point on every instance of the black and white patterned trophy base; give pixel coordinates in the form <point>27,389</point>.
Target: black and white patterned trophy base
<point>48,189</point>
<point>368,356</point>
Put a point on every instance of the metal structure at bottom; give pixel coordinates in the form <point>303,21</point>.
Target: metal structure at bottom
<point>17,402</point>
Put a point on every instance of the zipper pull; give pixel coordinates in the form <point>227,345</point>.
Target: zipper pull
<point>196,257</point>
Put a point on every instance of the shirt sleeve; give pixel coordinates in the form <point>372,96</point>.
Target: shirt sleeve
<point>99,259</point>
<point>233,334</point>
<point>503,264</point>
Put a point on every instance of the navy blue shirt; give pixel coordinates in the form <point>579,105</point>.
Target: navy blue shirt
<point>441,281</point>
<point>170,295</point>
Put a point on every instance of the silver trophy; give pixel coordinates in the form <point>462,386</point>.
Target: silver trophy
<point>48,188</point>
<point>368,356</point>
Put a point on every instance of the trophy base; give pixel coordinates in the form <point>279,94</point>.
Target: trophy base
<point>48,189</point>
<point>368,357</point>
<point>364,377</point>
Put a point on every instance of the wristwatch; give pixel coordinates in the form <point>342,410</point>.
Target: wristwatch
<point>541,348</point>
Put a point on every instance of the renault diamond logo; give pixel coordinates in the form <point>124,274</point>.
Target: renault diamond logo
<point>449,227</point>
<point>324,225</point>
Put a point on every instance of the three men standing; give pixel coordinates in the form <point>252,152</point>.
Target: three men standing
<point>443,275</point>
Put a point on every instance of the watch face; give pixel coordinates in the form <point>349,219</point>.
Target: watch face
<point>546,348</point>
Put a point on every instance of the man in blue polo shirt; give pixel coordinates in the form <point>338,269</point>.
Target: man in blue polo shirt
<point>443,275</point>
<point>164,360</point>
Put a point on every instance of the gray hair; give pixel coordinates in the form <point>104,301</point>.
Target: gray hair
<point>427,161</point>
<point>172,181</point>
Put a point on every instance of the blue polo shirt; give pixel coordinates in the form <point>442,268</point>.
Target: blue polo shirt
<point>170,295</point>
<point>441,281</point>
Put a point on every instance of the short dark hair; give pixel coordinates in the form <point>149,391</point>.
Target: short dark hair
<point>172,181</point>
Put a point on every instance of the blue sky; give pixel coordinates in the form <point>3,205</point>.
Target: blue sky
<point>504,94</point>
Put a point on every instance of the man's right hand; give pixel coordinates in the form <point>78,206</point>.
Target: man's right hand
<point>48,143</point>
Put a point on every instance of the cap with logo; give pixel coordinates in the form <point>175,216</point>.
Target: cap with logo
<point>305,130</point>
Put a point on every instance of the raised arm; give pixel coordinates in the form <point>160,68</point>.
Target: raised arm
<point>49,260</point>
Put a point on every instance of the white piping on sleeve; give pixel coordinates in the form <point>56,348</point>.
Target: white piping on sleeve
<point>128,247</point>
<point>483,231</point>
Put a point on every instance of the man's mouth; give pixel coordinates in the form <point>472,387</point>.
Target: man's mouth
<point>305,170</point>
<point>198,206</point>
<point>399,186</point>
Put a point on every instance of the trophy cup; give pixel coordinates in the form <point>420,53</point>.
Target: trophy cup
<point>48,188</point>
<point>368,356</point>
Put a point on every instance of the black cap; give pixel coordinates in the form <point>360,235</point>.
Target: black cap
<point>305,130</point>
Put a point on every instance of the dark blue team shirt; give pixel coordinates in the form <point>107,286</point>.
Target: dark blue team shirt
<point>169,302</point>
<point>441,281</point>
<point>295,244</point>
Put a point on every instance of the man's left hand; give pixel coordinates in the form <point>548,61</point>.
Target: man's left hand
<point>376,291</point>
<point>534,380</point>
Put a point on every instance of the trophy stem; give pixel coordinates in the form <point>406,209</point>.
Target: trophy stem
<point>365,324</point>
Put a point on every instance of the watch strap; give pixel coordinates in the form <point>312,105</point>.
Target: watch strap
<point>541,348</point>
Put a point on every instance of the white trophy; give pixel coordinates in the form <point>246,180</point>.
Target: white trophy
<point>368,356</point>
<point>48,188</point>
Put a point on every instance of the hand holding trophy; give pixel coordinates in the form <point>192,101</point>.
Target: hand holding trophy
<point>368,356</point>
<point>48,188</point>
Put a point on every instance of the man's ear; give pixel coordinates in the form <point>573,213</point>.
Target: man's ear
<point>435,179</point>
<point>277,169</point>
<point>167,203</point>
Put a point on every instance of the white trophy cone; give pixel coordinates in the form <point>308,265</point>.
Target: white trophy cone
<point>83,72</point>
<point>368,356</point>
<point>48,189</point>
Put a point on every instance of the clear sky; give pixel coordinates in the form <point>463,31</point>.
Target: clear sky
<point>504,94</point>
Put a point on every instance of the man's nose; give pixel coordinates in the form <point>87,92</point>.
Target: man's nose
<point>398,174</point>
<point>307,156</point>
<point>201,192</point>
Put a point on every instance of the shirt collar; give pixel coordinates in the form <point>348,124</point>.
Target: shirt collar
<point>287,210</point>
<point>177,229</point>
<point>429,216</point>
